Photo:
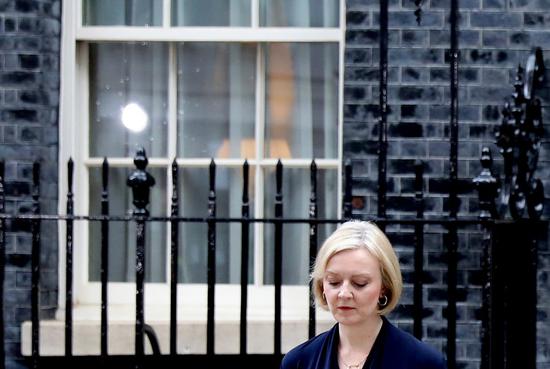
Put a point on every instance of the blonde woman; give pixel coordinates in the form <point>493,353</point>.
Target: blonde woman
<point>357,278</point>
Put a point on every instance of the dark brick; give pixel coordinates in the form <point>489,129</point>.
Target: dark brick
<point>17,78</point>
<point>414,74</point>
<point>402,19</point>
<point>354,93</point>
<point>441,185</point>
<point>31,135</point>
<point>401,203</point>
<point>405,130</point>
<point>357,18</point>
<point>358,56</point>
<point>536,19</point>
<point>27,25</point>
<point>18,115</point>
<point>489,94</point>
<point>491,112</point>
<point>29,61</point>
<point>26,6</point>
<point>9,24</point>
<point>409,57</point>
<point>519,38</point>
<point>495,19</point>
<point>413,37</point>
<point>494,4</point>
<point>361,37</point>
<point>494,38</point>
<point>414,112</point>
<point>415,149</point>
<point>425,94</point>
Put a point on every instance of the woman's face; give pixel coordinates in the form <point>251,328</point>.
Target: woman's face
<point>352,285</point>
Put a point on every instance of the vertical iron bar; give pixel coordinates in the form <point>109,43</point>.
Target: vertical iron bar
<point>35,265</point>
<point>245,239</point>
<point>313,228</point>
<point>451,299</point>
<point>453,190</point>
<point>140,181</point>
<point>418,250</point>
<point>174,245</point>
<point>383,125</point>
<point>104,257</point>
<point>486,311</point>
<point>2,265</point>
<point>347,189</point>
<point>140,285</point>
<point>69,264</point>
<point>210,326</point>
<point>278,257</point>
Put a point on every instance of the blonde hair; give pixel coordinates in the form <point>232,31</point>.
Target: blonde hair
<point>354,235</point>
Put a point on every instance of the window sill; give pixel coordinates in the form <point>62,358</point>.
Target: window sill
<point>191,331</point>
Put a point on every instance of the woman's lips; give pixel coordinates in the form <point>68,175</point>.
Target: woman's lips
<point>345,308</point>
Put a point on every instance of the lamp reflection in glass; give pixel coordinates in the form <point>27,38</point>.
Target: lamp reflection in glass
<point>134,117</point>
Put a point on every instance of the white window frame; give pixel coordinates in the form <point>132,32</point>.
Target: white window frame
<point>73,131</point>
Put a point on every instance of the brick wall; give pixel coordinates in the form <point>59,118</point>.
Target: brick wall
<point>29,99</point>
<point>495,35</point>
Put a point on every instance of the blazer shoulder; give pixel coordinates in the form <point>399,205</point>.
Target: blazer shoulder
<point>306,351</point>
<point>414,350</point>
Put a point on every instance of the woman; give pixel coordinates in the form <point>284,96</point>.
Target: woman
<point>357,277</point>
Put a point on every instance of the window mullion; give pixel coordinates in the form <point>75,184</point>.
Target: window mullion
<point>166,13</point>
<point>259,178</point>
<point>255,18</point>
<point>172,141</point>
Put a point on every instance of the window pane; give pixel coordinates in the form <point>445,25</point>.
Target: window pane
<point>122,12</point>
<point>299,13</point>
<point>193,236</point>
<point>216,100</point>
<point>126,75</point>
<point>212,13</point>
<point>301,100</point>
<point>296,193</point>
<point>122,235</point>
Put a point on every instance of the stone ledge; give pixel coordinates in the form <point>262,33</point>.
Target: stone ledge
<point>191,337</point>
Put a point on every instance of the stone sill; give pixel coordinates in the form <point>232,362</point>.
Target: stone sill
<point>191,336</point>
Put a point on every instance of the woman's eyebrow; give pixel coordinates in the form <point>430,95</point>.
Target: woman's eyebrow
<point>331,273</point>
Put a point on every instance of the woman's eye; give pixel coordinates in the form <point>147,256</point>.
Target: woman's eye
<point>360,285</point>
<point>333,284</point>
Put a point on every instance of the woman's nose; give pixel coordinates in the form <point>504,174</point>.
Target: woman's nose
<point>345,291</point>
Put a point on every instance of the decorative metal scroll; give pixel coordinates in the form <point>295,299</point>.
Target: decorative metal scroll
<point>518,137</point>
<point>418,11</point>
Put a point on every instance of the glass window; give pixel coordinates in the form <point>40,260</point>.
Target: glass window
<point>194,190</point>
<point>299,13</point>
<point>212,99</point>
<point>301,100</point>
<point>212,13</point>
<point>122,235</point>
<point>296,194</point>
<point>216,104</point>
<point>122,76</point>
<point>122,12</point>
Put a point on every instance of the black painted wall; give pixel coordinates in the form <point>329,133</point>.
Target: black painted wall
<point>495,35</point>
<point>29,99</point>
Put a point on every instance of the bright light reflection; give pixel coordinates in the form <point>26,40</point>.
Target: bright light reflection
<point>134,117</point>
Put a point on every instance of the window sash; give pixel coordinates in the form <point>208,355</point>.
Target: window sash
<point>74,107</point>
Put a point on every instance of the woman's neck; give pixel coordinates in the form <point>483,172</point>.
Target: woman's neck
<point>359,338</point>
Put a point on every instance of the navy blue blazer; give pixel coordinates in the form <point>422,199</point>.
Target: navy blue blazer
<point>392,349</point>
